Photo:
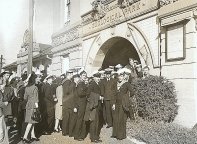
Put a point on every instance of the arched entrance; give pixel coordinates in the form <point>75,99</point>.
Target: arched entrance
<point>115,45</point>
<point>118,51</point>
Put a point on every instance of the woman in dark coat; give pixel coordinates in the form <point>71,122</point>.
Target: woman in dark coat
<point>31,95</point>
<point>121,107</point>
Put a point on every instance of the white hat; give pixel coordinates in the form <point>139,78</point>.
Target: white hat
<point>49,76</point>
<point>120,71</point>
<point>126,70</point>
<point>101,71</point>
<point>118,66</point>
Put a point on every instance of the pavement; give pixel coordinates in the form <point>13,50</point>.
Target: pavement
<point>57,138</point>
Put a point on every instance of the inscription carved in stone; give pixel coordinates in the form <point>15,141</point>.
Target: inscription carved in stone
<point>70,35</point>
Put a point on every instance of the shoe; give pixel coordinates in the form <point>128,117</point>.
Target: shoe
<point>56,130</point>
<point>26,140</point>
<point>80,139</point>
<point>46,133</point>
<point>35,139</point>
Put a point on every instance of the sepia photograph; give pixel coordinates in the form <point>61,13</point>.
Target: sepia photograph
<point>98,71</point>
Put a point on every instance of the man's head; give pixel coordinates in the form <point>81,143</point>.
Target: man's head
<point>139,67</point>
<point>96,77</point>
<point>121,75</point>
<point>108,73</point>
<point>62,76</point>
<point>69,74</point>
<point>131,61</point>
<point>83,75</point>
<point>146,70</point>
<point>5,76</point>
<point>135,63</point>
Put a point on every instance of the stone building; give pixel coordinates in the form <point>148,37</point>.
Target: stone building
<point>158,33</point>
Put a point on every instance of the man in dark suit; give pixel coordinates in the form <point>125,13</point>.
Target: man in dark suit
<point>108,87</point>
<point>69,105</point>
<point>80,128</point>
<point>131,67</point>
<point>49,99</point>
<point>94,102</point>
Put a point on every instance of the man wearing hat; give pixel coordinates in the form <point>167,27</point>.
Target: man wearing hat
<point>108,91</point>
<point>49,101</point>
<point>131,67</point>
<point>93,107</point>
<point>80,128</point>
<point>118,67</point>
<point>68,104</point>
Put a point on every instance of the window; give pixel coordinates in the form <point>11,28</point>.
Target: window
<point>67,11</point>
<point>175,42</point>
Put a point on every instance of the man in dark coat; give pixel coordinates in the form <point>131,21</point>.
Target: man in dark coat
<point>131,67</point>
<point>49,100</point>
<point>69,105</point>
<point>108,87</point>
<point>80,128</point>
<point>93,108</point>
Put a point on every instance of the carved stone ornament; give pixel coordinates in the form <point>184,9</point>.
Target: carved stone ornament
<point>166,2</point>
<point>98,10</point>
<point>26,39</point>
<point>124,3</point>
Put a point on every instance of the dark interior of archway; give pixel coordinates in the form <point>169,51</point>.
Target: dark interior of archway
<point>119,53</point>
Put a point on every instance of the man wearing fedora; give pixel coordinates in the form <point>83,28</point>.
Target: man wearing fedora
<point>131,67</point>
<point>92,113</point>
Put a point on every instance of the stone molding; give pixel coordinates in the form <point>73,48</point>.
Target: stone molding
<point>68,36</point>
<point>67,50</point>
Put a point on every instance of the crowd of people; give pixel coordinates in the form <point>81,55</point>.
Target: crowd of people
<point>73,103</point>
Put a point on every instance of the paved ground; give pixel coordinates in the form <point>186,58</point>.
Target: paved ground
<point>57,138</point>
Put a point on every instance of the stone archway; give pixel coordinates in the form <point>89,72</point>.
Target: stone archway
<point>116,50</point>
<point>104,42</point>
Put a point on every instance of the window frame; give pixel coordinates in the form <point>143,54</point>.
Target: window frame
<point>178,58</point>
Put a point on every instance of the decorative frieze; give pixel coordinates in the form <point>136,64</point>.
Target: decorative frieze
<point>166,2</point>
<point>70,35</point>
<point>105,15</point>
